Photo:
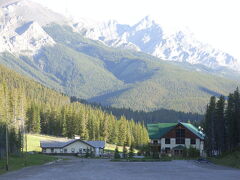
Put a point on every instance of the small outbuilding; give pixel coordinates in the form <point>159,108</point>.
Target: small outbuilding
<point>74,147</point>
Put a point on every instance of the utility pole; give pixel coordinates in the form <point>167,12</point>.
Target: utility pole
<point>25,136</point>
<point>6,106</point>
<point>7,147</point>
<point>24,132</point>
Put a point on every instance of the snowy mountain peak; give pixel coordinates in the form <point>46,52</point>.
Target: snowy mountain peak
<point>26,39</point>
<point>21,27</point>
<point>151,38</point>
<point>112,22</point>
<point>27,10</point>
<point>21,23</point>
<point>145,23</point>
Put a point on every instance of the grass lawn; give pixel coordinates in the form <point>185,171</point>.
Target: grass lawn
<point>230,159</point>
<point>16,162</point>
<point>112,147</point>
<point>33,141</point>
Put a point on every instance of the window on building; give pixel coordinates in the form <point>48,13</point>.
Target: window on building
<point>155,141</point>
<point>52,150</point>
<point>73,150</point>
<point>193,141</point>
<point>65,150</point>
<point>167,141</point>
<point>180,140</point>
<point>180,136</point>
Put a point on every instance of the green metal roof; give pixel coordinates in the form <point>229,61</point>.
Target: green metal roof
<point>194,130</point>
<point>158,130</point>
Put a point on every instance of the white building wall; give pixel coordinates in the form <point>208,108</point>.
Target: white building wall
<point>75,148</point>
<point>198,144</point>
<point>48,150</point>
<point>171,145</point>
<point>187,142</point>
<point>202,153</point>
<point>173,141</point>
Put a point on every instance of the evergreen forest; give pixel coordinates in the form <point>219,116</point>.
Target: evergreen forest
<point>25,103</point>
<point>222,124</point>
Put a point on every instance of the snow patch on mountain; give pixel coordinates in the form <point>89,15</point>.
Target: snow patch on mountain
<point>27,10</point>
<point>21,23</point>
<point>27,39</point>
<point>21,29</point>
<point>149,37</point>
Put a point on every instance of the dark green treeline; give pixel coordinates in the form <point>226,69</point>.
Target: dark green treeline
<point>157,116</point>
<point>222,124</point>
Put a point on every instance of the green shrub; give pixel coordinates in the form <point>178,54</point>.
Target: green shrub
<point>116,154</point>
<point>193,152</point>
<point>125,151</point>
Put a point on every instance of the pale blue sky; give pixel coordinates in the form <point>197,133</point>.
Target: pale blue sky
<point>212,21</point>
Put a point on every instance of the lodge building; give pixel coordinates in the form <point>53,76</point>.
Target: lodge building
<point>172,138</point>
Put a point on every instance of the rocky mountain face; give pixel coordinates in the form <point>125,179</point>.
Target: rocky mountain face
<point>149,37</point>
<point>21,23</point>
<point>21,31</point>
<point>69,58</point>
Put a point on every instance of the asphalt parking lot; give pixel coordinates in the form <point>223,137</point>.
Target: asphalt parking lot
<point>102,169</point>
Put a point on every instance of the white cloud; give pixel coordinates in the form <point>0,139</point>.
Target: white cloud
<point>212,21</point>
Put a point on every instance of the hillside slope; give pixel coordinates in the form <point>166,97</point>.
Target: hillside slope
<point>90,70</point>
<point>149,83</point>
<point>33,90</point>
<point>59,57</point>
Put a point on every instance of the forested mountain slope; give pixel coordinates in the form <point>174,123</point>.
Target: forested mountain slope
<point>52,52</point>
<point>33,91</point>
<point>92,71</point>
<point>160,115</point>
<point>49,112</point>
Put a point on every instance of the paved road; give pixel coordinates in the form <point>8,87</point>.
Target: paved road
<point>94,169</point>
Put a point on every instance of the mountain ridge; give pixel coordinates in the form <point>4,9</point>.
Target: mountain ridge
<point>149,37</point>
<point>73,64</point>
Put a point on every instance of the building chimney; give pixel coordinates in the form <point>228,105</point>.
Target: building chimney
<point>76,137</point>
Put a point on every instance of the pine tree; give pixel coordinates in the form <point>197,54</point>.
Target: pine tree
<point>122,131</point>
<point>131,152</point>
<point>63,122</point>
<point>220,132</point>
<point>209,126</point>
<point>236,96</point>
<point>125,151</point>
<point>104,130</point>
<point>36,120</point>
